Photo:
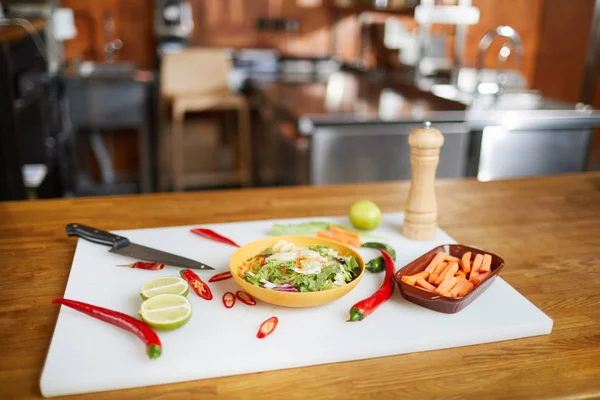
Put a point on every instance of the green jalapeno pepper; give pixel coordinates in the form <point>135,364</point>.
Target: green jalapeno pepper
<point>377,264</point>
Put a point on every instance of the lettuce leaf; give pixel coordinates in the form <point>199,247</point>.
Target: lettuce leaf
<point>324,251</point>
<point>304,228</point>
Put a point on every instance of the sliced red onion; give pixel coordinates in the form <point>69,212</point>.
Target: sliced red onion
<point>282,287</point>
<point>267,284</point>
<point>285,289</point>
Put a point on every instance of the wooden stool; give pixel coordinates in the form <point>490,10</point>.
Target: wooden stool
<point>196,80</point>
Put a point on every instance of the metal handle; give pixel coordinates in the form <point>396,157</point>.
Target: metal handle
<point>96,235</point>
<point>513,42</point>
<point>501,31</point>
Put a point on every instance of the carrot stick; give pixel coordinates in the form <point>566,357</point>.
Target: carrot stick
<point>348,240</point>
<point>412,279</point>
<point>438,270</point>
<point>466,288</point>
<point>461,274</point>
<point>446,285</point>
<point>448,272</point>
<point>344,232</point>
<point>438,258</point>
<point>451,258</point>
<point>353,242</point>
<point>457,286</point>
<point>422,283</point>
<point>476,265</point>
<point>465,263</point>
<point>479,278</point>
<point>339,238</point>
<point>486,265</point>
<point>325,234</point>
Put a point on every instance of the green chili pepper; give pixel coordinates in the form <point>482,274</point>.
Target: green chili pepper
<point>377,264</point>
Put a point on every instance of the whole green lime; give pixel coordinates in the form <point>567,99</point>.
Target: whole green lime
<point>365,215</point>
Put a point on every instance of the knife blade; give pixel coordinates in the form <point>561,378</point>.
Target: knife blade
<point>122,246</point>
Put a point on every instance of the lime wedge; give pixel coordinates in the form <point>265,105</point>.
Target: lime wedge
<point>166,311</point>
<point>165,285</point>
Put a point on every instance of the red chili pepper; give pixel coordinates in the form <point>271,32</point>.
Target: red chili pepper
<point>124,321</point>
<point>363,308</point>
<point>210,234</point>
<point>228,299</point>
<point>267,327</point>
<point>143,265</point>
<point>245,298</point>
<point>220,277</point>
<point>197,284</point>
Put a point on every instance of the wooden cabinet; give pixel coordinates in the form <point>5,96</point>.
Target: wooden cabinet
<point>564,36</point>
<point>133,25</point>
<point>233,23</point>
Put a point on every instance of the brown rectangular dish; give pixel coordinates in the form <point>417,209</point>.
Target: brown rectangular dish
<point>434,301</point>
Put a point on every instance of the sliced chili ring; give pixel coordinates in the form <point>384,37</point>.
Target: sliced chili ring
<point>143,265</point>
<point>267,327</point>
<point>197,285</point>
<point>245,298</point>
<point>228,299</point>
<point>220,277</point>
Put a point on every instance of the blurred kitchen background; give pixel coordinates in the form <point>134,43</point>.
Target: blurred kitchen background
<point>102,97</point>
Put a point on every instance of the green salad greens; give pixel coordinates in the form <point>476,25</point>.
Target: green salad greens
<point>304,228</point>
<point>311,228</point>
<point>285,267</point>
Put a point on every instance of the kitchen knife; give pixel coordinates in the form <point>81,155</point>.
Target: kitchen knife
<point>121,245</point>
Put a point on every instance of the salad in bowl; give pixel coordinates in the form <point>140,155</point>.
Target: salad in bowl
<point>295,270</point>
<point>290,268</point>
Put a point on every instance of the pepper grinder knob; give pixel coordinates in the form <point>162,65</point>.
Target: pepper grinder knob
<point>420,216</point>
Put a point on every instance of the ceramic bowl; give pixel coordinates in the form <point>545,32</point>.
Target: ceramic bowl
<point>293,299</point>
<point>433,301</point>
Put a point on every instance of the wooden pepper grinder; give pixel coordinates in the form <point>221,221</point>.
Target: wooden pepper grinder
<point>420,216</point>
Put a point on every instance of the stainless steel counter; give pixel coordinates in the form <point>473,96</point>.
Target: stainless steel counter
<point>104,98</point>
<point>354,127</point>
<point>347,98</point>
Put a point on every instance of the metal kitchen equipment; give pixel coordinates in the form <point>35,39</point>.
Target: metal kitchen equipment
<point>500,78</point>
<point>103,97</point>
<point>353,129</point>
<point>122,246</point>
<point>173,25</point>
<point>462,15</point>
<point>33,120</point>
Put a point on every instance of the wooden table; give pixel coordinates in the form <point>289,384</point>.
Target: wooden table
<point>547,229</point>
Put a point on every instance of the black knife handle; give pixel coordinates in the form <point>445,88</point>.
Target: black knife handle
<point>97,236</point>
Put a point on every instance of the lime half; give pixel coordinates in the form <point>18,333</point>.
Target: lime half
<point>165,285</point>
<point>166,311</point>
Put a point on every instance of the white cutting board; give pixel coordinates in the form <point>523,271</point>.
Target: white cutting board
<point>87,355</point>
